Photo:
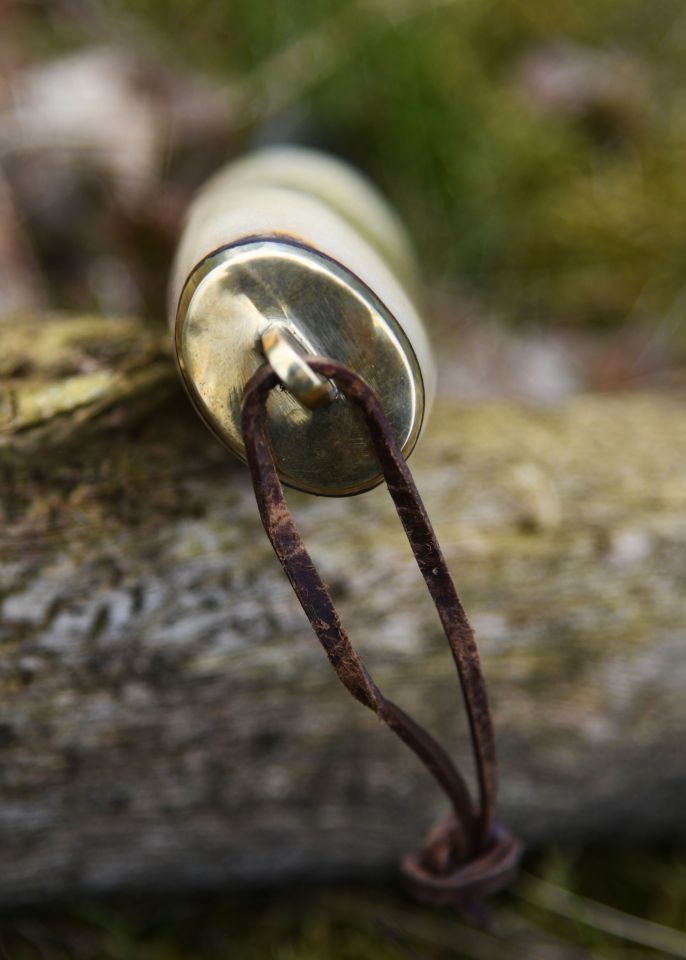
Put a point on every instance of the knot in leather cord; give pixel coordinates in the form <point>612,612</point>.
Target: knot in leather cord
<point>468,856</point>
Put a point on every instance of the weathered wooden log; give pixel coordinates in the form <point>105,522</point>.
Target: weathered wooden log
<point>166,717</point>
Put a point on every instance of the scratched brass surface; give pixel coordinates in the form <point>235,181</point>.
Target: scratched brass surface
<point>228,303</point>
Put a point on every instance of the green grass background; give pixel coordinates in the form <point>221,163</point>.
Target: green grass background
<point>545,217</point>
<point>377,922</point>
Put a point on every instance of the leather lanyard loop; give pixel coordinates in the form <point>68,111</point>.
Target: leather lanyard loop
<point>467,856</point>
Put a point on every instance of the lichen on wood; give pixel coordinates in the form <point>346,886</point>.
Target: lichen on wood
<point>166,717</point>
<point>60,372</point>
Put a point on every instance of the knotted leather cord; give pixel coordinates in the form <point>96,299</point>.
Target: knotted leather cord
<point>468,855</point>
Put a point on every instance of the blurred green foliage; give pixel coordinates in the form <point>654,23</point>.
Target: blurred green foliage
<point>555,213</point>
<point>361,923</point>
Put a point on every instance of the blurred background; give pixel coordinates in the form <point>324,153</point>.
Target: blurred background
<point>536,151</point>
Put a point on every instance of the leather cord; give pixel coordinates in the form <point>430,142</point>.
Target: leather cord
<point>468,855</point>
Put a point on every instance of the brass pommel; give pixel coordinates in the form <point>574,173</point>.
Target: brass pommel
<point>292,252</point>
